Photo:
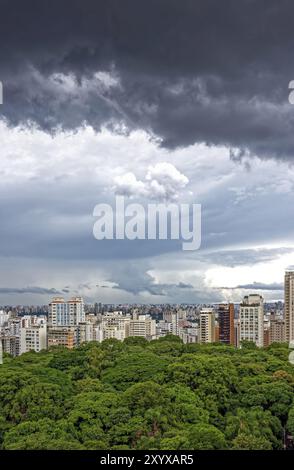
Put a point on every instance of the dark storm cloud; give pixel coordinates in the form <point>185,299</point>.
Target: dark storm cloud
<point>257,286</point>
<point>244,257</point>
<point>188,71</point>
<point>134,279</point>
<point>28,290</point>
<point>262,286</point>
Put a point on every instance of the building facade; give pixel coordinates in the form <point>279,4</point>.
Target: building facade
<point>33,338</point>
<point>226,324</point>
<point>207,326</point>
<point>66,313</point>
<point>10,344</point>
<point>251,319</point>
<point>289,306</point>
<point>143,326</point>
<point>112,325</point>
<point>277,331</point>
<point>66,336</point>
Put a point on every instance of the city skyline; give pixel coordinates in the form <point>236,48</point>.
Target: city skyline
<point>70,323</point>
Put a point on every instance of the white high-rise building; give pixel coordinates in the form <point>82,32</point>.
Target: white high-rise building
<point>207,326</point>
<point>289,306</point>
<point>66,313</point>
<point>85,332</point>
<point>163,328</point>
<point>14,325</point>
<point>251,319</point>
<point>4,317</point>
<point>33,338</point>
<point>144,326</point>
<point>109,332</point>
<point>175,323</point>
<point>10,344</point>
<point>112,325</point>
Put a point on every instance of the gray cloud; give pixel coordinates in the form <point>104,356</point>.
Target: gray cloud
<point>244,257</point>
<point>256,286</point>
<point>135,280</point>
<point>262,286</point>
<point>29,290</point>
<point>201,73</point>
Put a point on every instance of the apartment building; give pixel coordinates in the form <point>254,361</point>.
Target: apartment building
<point>252,319</point>
<point>207,326</point>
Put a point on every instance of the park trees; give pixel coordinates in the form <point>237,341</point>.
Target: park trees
<point>147,395</point>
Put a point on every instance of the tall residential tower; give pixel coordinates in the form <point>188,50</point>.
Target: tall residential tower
<point>226,323</point>
<point>207,326</point>
<point>69,313</point>
<point>251,319</point>
<point>289,306</point>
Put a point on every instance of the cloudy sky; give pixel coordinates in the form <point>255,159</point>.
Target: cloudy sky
<point>159,100</point>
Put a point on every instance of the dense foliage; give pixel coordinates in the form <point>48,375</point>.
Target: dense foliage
<point>147,395</point>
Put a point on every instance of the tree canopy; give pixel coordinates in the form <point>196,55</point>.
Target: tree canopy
<point>147,395</point>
